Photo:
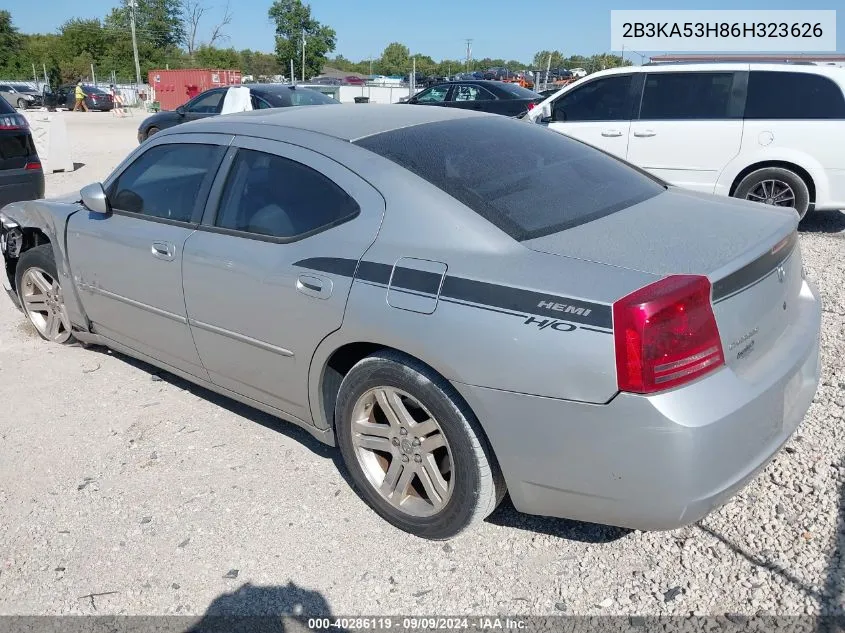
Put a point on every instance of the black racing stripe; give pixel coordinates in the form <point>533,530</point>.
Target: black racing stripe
<point>469,290</point>
<point>334,265</point>
<point>372,271</point>
<point>520,300</point>
<point>753,272</point>
<point>417,280</point>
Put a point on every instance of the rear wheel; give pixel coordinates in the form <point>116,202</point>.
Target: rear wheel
<point>153,130</point>
<point>41,295</point>
<point>414,450</point>
<point>776,186</point>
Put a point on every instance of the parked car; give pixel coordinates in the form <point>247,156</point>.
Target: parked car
<point>65,97</point>
<point>561,325</point>
<point>210,103</point>
<point>770,133</point>
<point>577,73</point>
<point>326,81</point>
<point>20,96</point>
<point>352,80</point>
<point>495,97</point>
<point>21,174</point>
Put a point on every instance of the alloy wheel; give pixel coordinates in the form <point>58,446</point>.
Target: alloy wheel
<point>774,192</point>
<point>403,451</point>
<point>44,305</point>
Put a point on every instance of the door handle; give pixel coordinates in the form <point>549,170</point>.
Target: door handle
<point>318,287</point>
<point>645,133</point>
<point>163,250</point>
<point>611,133</point>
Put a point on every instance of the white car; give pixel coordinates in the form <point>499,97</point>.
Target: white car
<point>578,72</point>
<point>771,133</point>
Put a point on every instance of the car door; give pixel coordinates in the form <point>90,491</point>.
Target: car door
<point>209,103</point>
<point>473,97</point>
<point>262,287</point>
<point>689,126</point>
<point>128,264</point>
<point>598,112</point>
<point>436,95</point>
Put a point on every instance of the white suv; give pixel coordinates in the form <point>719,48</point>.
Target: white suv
<point>773,133</point>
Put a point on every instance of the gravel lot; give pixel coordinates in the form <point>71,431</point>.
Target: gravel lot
<point>163,497</point>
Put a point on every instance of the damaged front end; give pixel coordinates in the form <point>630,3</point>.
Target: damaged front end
<point>11,247</point>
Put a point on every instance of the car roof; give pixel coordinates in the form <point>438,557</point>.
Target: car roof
<point>347,121</point>
<point>691,67</point>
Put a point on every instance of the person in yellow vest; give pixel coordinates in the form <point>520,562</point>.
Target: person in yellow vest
<point>80,98</point>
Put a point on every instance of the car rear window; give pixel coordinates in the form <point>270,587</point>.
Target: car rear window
<point>518,91</point>
<point>523,178</point>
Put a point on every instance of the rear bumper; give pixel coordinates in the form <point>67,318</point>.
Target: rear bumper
<point>653,462</point>
<point>21,184</point>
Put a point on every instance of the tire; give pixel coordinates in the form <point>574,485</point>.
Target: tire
<point>40,294</point>
<point>153,130</point>
<point>22,104</point>
<point>458,449</point>
<point>789,187</point>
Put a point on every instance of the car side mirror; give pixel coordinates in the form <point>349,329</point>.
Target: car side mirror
<point>95,200</point>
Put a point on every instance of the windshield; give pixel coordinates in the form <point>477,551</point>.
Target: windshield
<point>519,177</point>
<point>519,92</point>
<point>22,88</point>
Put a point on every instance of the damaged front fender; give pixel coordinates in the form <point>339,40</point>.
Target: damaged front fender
<point>27,224</point>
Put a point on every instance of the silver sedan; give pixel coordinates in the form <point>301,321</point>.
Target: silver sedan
<point>464,304</point>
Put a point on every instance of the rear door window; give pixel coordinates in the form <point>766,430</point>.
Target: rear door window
<point>685,96</point>
<point>789,95</point>
<point>521,178</point>
<point>471,93</point>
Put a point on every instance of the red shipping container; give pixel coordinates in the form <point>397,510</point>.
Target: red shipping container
<point>176,87</point>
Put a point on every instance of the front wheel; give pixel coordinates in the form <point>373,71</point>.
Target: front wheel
<point>22,104</point>
<point>413,448</point>
<point>776,186</point>
<point>40,292</point>
<point>153,130</point>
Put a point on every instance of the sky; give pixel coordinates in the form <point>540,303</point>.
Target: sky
<point>439,28</point>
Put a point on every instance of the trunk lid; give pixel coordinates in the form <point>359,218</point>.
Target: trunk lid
<point>749,252</point>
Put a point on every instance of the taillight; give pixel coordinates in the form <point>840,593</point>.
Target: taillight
<point>666,335</point>
<point>531,105</point>
<point>13,122</point>
<point>33,165</point>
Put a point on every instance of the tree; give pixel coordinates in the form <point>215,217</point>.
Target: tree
<point>158,22</point>
<point>395,60</point>
<point>210,57</point>
<point>217,33</point>
<point>192,12</point>
<point>11,42</point>
<point>293,19</point>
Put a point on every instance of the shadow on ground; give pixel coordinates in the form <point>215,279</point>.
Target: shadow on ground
<point>507,516</point>
<point>823,222</point>
<point>271,422</point>
<point>274,609</point>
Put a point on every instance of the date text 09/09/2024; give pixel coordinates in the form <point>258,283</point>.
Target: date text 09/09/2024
<point>416,623</point>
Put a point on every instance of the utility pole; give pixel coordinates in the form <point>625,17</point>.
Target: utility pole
<point>303,55</point>
<point>292,76</point>
<point>34,74</point>
<point>134,41</point>
<point>469,52</point>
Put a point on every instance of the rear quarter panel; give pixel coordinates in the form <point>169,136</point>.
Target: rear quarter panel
<point>497,335</point>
